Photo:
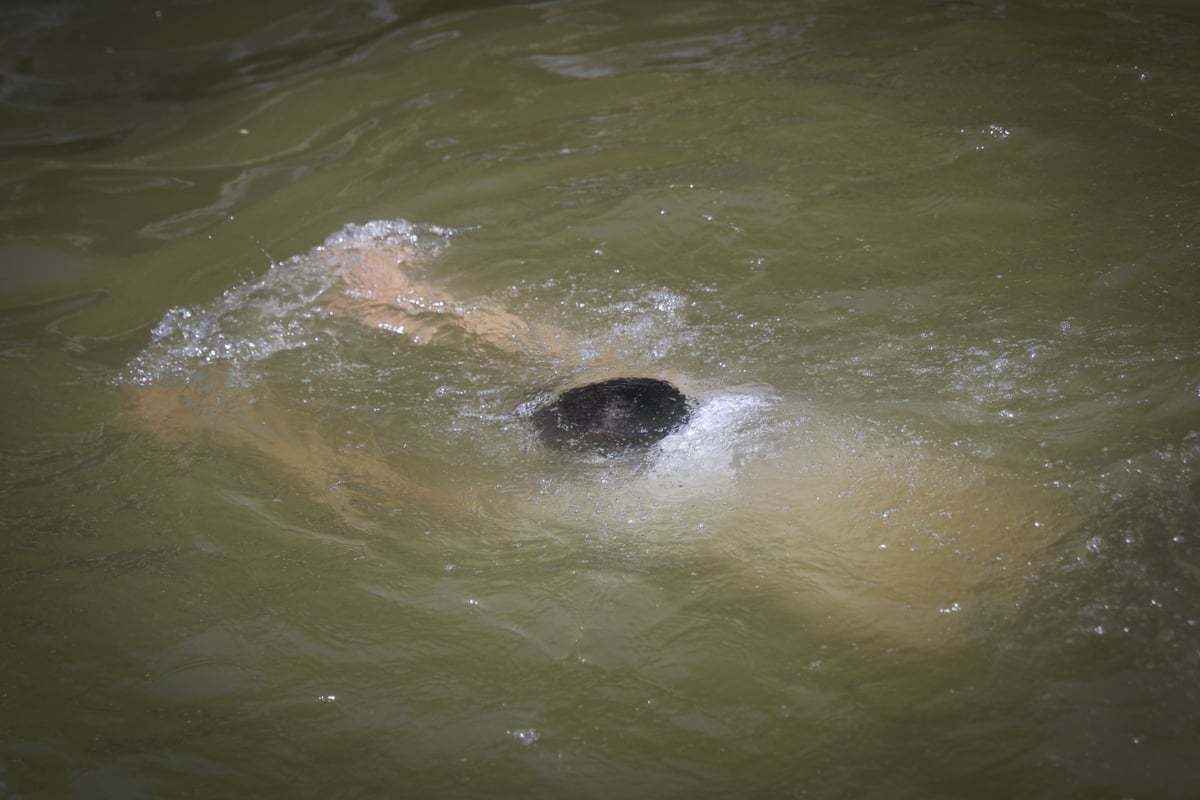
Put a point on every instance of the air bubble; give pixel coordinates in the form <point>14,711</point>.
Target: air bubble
<point>525,736</point>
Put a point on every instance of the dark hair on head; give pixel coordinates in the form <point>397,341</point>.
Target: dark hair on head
<point>612,414</point>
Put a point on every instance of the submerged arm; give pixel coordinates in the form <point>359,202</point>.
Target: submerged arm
<point>381,287</point>
<point>336,476</point>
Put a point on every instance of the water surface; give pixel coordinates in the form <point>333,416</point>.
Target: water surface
<point>927,271</point>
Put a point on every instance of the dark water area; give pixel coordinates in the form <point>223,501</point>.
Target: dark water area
<point>283,285</point>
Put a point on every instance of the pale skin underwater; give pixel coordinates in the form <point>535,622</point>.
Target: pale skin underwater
<point>905,539</point>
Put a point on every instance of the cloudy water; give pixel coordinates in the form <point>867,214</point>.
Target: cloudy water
<point>284,284</point>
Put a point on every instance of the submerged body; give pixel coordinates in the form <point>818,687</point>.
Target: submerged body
<point>888,536</point>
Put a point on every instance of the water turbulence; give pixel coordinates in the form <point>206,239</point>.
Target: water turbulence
<point>359,329</point>
<point>385,389</point>
<point>790,405</point>
<point>281,311</point>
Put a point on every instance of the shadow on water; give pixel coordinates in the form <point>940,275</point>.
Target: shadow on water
<point>264,66</point>
<point>138,71</point>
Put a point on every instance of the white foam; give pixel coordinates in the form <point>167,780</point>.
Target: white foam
<point>723,432</point>
<point>276,312</point>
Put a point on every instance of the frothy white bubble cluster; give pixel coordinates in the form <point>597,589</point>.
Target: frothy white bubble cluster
<point>277,312</point>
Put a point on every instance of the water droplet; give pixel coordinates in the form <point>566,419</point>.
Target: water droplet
<point>526,736</point>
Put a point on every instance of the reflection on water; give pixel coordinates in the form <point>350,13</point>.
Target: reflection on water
<point>272,507</point>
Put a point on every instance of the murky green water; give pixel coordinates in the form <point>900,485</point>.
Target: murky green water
<point>927,271</point>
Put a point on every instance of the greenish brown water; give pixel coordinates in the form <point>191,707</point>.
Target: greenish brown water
<point>928,271</point>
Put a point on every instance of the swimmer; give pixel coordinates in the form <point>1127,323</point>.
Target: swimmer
<point>379,283</point>
<point>889,537</point>
<point>614,414</point>
<point>379,288</point>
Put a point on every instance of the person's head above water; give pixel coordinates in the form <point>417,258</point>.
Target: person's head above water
<point>612,414</point>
